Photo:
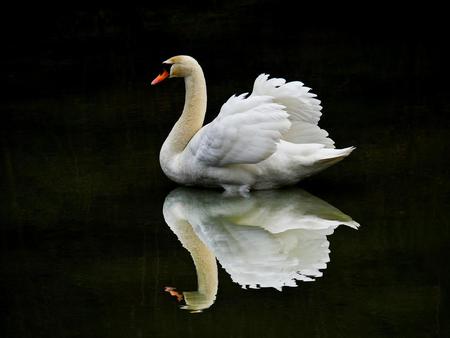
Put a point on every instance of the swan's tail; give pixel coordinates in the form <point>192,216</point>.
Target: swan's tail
<point>311,153</point>
<point>312,157</point>
<point>329,156</point>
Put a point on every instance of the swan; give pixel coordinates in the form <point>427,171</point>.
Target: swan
<point>270,239</point>
<point>264,140</point>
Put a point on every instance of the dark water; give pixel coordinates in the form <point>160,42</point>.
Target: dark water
<point>85,248</point>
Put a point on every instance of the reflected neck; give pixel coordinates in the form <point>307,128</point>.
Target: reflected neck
<point>207,275</point>
<point>205,267</point>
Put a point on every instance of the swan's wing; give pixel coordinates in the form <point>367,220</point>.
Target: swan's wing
<point>303,107</point>
<point>246,130</point>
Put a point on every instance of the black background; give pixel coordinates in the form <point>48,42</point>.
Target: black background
<point>81,130</point>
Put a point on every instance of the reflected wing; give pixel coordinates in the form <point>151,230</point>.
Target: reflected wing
<point>254,257</point>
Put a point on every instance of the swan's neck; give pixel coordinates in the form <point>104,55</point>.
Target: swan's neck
<point>191,120</point>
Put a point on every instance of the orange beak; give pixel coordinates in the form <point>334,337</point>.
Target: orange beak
<point>164,75</point>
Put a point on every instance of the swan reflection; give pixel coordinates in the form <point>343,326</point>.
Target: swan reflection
<point>268,239</point>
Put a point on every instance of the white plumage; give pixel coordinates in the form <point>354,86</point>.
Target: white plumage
<point>264,140</point>
<point>246,131</point>
<point>269,239</point>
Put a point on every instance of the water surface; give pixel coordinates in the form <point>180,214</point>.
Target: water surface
<point>85,248</point>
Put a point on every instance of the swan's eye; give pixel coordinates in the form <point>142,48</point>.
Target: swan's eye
<point>166,66</point>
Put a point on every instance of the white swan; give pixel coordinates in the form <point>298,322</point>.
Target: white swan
<point>265,140</point>
<point>270,239</point>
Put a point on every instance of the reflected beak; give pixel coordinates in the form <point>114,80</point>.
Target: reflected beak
<point>174,293</point>
<point>164,75</point>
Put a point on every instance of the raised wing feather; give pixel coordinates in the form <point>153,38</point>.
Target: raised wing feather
<point>302,106</point>
<point>246,130</point>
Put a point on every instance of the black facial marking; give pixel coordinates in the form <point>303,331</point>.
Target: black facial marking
<point>167,67</point>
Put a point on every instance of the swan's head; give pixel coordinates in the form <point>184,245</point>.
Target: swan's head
<point>177,66</point>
